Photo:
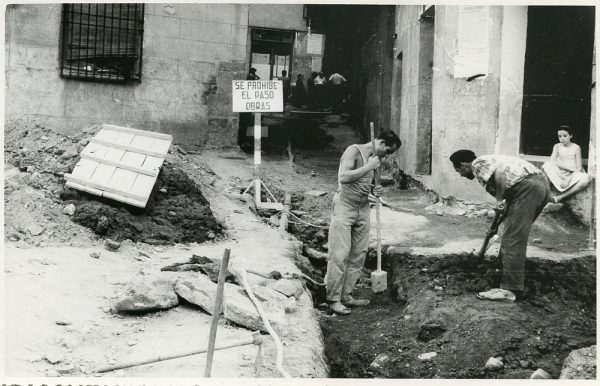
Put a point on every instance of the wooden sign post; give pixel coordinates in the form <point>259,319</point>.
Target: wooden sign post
<point>258,96</point>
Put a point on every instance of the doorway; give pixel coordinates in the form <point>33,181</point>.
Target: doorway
<point>558,77</point>
<point>271,52</point>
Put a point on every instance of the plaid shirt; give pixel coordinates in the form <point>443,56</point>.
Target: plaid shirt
<point>515,169</point>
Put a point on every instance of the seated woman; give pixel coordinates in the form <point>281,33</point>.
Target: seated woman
<point>565,170</point>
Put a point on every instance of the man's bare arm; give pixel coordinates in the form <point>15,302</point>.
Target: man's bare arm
<point>347,172</point>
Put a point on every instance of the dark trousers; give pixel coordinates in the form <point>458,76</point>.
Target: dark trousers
<point>525,202</point>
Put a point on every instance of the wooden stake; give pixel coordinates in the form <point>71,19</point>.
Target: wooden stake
<point>378,277</point>
<point>216,313</point>
<point>285,215</point>
<point>257,150</point>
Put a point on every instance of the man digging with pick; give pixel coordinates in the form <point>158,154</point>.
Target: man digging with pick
<point>526,191</point>
<point>350,221</point>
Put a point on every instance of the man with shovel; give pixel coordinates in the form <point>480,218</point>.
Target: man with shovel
<point>350,221</point>
<point>521,191</point>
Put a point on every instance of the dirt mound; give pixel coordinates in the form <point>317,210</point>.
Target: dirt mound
<point>176,212</point>
<point>441,314</point>
<point>32,147</point>
<point>36,159</point>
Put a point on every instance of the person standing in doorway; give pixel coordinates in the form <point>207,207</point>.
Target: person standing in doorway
<point>338,86</point>
<point>350,221</point>
<point>521,191</point>
<point>252,74</point>
<point>246,120</point>
<point>287,86</point>
<point>299,92</point>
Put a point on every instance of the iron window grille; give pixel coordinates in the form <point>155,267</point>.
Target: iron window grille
<point>102,42</point>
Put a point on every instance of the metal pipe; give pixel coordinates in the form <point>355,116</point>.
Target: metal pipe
<point>254,339</point>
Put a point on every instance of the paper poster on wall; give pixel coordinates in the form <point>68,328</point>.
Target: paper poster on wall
<point>316,62</point>
<point>473,49</point>
<point>314,44</point>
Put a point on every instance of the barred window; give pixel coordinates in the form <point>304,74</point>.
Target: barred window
<point>102,42</point>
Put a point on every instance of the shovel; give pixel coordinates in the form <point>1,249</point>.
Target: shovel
<point>378,277</point>
<point>492,235</point>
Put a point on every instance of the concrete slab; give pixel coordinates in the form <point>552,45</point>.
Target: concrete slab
<point>396,227</point>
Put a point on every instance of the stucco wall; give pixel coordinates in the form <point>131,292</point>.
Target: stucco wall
<point>280,16</point>
<point>190,54</point>
<point>464,114</point>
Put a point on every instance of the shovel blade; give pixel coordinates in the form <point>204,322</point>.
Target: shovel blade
<point>378,281</point>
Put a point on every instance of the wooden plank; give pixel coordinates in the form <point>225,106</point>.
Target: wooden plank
<point>160,145</point>
<point>127,200</point>
<point>271,205</point>
<point>145,133</point>
<point>124,138</point>
<point>126,147</point>
<point>141,142</point>
<point>105,188</point>
<point>152,164</point>
<point>122,179</point>
<point>120,165</point>
<point>133,159</point>
<point>105,135</point>
<point>114,155</point>
<point>142,186</point>
<point>84,168</point>
<point>84,188</point>
<point>102,174</point>
<point>92,147</point>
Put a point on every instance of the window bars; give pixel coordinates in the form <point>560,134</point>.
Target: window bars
<point>102,42</point>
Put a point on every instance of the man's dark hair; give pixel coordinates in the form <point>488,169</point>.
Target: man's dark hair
<point>284,72</point>
<point>461,156</point>
<point>389,138</point>
<point>252,70</point>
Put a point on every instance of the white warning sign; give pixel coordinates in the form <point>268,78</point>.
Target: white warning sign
<point>257,96</point>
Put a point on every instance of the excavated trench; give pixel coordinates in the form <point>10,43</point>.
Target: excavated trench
<point>176,212</point>
<point>430,307</point>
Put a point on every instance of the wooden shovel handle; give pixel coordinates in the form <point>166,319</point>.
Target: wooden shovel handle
<point>376,202</point>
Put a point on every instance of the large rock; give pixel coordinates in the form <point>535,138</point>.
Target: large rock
<point>494,364</point>
<point>289,287</point>
<point>580,364</point>
<point>199,290</point>
<point>238,308</point>
<point>540,374</point>
<point>147,292</point>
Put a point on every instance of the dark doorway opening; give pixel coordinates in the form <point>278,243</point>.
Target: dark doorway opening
<point>271,52</point>
<point>558,76</point>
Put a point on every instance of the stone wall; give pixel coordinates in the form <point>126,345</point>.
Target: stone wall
<point>191,52</point>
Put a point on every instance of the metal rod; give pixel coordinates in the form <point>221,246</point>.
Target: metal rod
<point>237,343</point>
<point>216,312</point>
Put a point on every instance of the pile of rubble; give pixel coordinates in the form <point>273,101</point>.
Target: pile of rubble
<point>195,282</point>
<point>39,210</point>
<point>35,159</point>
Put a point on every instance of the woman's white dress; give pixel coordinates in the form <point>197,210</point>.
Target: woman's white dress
<point>557,175</point>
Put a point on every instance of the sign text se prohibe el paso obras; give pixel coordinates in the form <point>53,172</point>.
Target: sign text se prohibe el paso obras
<point>257,96</point>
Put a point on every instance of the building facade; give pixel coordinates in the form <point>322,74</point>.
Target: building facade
<point>494,79</point>
<point>183,64</point>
